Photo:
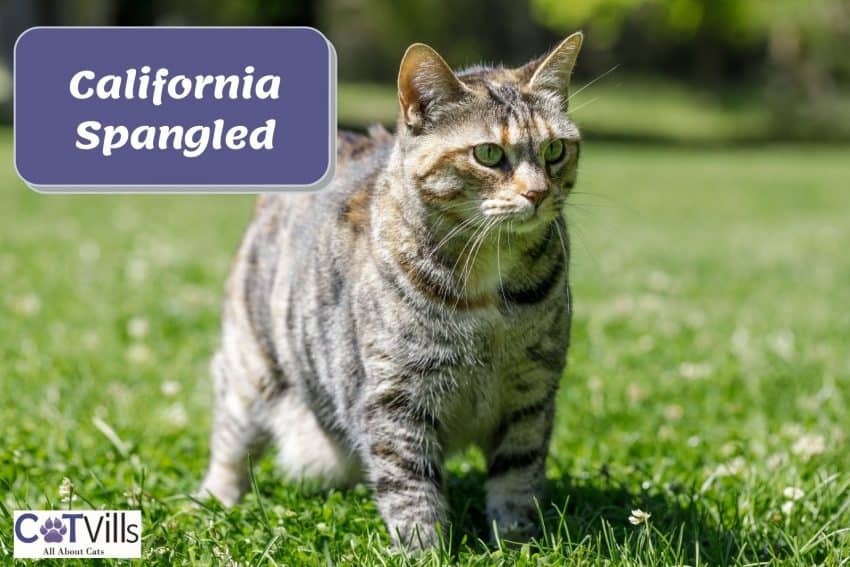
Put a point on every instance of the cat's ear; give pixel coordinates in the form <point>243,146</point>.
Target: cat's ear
<point>552,72</point>
<point>424,82</point>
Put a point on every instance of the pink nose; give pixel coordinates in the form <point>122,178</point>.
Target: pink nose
<point>535,196</point>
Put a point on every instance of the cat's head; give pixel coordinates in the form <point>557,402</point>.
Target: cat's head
<point>489,144</point>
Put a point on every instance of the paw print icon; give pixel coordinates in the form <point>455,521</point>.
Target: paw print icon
<point>53,530</point>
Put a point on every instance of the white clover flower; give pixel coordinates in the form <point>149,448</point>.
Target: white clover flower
<point>674,412</point>
<point>793,493</point>
<point>137,270</point>
<point>809,445</point>
<point>138,327</point>
<point>695,370</point>
<point>788,507</point>
<point>741,343</point>
<point>176,415</point>
<point>638,517</point>
<point>792,429</point>
<point>776,460</point>
<point>659,281</point>
<point>66,490</point>
<point>27,305</point>
<point>782,343</point>
<point>170,388</point>
<point>138,354</point>
<point>728,449</point>
<point>665,433</point>
<point>733,468</point>
<point>636,394</point>
<point>89,252</point>
<point>90,340</point>
<point>651,303</point>
<point>133,496</point>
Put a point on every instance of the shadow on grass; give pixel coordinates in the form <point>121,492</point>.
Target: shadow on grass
<point>594,512</point>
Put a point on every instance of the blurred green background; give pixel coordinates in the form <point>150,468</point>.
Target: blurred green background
<point>693,71</point>
<point>709,378</point>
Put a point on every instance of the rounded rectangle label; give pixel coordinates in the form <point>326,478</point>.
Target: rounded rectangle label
<point>174,109</point>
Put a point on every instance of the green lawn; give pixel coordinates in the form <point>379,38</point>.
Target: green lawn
<point>708,382</point>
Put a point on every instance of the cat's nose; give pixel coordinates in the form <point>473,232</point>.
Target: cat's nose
<point>536,197</point>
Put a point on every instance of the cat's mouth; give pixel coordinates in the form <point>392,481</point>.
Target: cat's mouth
<point>508,210</point>
<point>521,216</point>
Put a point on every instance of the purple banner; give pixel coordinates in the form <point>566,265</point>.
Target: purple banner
<point>174,109</point>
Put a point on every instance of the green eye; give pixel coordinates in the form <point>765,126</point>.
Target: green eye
<point>553,151</point>
<point>488,154</point>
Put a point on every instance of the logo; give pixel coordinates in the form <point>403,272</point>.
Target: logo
<point>40,534</point>
<point>52,530</point>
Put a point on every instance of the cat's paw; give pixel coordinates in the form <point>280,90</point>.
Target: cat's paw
<point>225,494</point>
<point>415,538</point>
<point>223,484</point>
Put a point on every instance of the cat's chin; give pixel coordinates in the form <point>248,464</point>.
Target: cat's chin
<point>523,223</point>
<point>535,223</point>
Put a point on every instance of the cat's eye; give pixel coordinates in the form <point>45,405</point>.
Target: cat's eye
<point>488,154</point>
<point>554,151</point>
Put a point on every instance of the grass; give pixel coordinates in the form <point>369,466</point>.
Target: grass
<point>709,373</point>
<point>617,106</point>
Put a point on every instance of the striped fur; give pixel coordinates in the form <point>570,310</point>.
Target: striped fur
<point>419,305</point>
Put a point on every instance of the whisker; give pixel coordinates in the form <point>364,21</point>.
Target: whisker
<point>499,265</point>
<point>478,228</point>
<point>481,240</point>
<point>452,233</point>
<point>591,101</point>
<point>584,245</point>
<point>612,203</point>
<point>563,243</point>
<point>566,257</point>
<point>600,77</point>
<point>469,265</point>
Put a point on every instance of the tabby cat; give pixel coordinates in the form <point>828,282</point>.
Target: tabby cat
<point>418,305</point>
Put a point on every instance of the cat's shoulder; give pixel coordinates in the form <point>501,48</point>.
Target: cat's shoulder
<point>360,157</point>
<point>360,160</point>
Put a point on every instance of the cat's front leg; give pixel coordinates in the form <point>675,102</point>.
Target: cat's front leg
<point>403,460</point>
<point>516,466</point>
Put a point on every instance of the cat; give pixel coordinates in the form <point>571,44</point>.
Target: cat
<point>419,305</point>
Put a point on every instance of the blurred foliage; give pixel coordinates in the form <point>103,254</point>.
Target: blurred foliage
<point>371,35</point>
<point>667,111</point>
<point>730,20</point>
<point>801,48</point>
<point>791,56</point>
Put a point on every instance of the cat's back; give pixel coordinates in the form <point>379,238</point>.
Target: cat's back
<point>298,233</point>
<point>300,240</point>
<point>359,160</point>
<point>353,147</point>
